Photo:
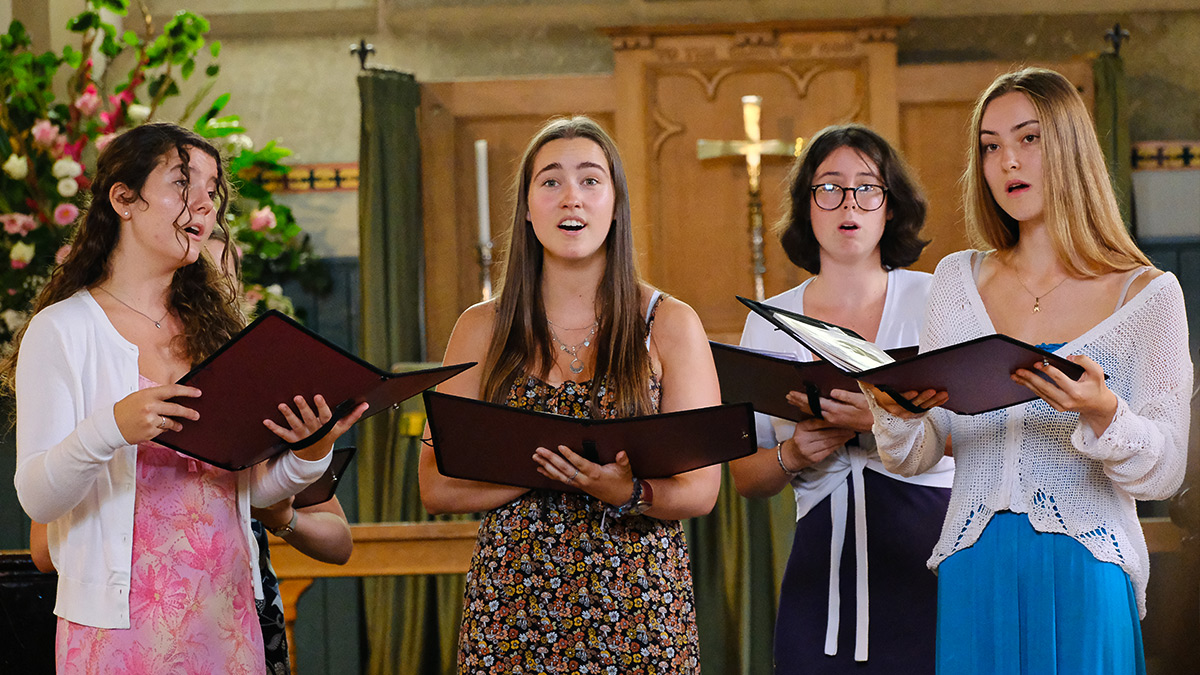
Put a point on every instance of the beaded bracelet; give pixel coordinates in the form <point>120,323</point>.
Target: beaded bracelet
<point>779,456</point>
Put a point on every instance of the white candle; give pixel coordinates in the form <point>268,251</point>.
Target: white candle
<point>481,192</point>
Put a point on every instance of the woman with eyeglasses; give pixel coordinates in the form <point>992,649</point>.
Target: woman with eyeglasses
<point>854,221</point>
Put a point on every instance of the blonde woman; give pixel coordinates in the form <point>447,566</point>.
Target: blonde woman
<point>1042,564</point>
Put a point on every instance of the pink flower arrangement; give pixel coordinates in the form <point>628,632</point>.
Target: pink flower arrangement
<point>254,294</point>
<point>89,101</point>
<point>45,134</point>
<point>62,254</point>
<point>18,223</point>
<point>65,214</point>
<point>262,219</point>
<point>103,140</point>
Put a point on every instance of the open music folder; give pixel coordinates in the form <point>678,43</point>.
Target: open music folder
<point>479,440</point>
<point>764,379</point>
<point>976,373</point>
<point>269,362</point>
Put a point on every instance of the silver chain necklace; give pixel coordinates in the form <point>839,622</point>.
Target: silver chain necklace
<point>576,363</point>
<point>157,324</point>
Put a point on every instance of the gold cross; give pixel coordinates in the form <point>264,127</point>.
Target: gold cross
<point>753,148</point>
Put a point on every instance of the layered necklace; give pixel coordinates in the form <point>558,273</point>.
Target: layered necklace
<point>576,362</point>
<point>157,324</point>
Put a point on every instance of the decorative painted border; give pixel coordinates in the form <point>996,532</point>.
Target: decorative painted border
<point>309,178</point>
<point>1159,155</point>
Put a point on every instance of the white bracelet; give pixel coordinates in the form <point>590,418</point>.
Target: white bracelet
<point>779,456</point>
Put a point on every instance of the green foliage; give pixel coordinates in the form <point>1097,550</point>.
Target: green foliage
<point>45,140</point>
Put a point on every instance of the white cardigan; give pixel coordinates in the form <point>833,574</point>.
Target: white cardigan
<point>77,473</point>
<point>1031,459</point>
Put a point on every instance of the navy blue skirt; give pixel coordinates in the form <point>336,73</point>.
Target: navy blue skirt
<point>903,524</point>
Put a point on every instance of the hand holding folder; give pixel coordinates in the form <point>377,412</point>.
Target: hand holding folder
<point>269,362</point>
<point>478,440</point>
<point>977,374</point>
<point>764,380</point>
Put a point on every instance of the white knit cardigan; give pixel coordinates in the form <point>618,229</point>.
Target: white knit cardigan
<point>1031,459</point>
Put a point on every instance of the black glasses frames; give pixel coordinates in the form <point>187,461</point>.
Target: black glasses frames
<point>868,197</point>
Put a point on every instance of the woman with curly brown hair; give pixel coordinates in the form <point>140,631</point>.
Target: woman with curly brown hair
<point>153,550</point>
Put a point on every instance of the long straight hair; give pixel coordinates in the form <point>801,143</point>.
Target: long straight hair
<point>203,299</point>
<point>520,343</point>
<point>1080,208</point>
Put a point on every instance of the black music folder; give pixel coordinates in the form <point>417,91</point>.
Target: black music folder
<point>479,440</point>
<point>976,373</point>
<point>764,379</point>
<point>268,363</point>
<point>322,490</point>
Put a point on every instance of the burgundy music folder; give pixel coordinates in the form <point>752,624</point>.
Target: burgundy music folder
<point>764,379</point>
<point>268,363</point>
<point>479,440</point>
<point>976,373</point>
<point>322,490</point>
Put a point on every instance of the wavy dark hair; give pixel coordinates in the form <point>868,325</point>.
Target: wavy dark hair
<point>202,298</point>
<point>901,243</point>
<point>520,343</point>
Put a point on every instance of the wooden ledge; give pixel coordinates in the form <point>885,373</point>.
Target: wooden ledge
<point>388,549</point>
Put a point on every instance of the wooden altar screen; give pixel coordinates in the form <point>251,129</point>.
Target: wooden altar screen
<point>679,84</point>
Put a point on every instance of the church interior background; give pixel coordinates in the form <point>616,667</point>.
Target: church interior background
<point>659,74</point>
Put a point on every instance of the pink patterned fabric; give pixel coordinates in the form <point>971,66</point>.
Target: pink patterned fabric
<point>191,604</point>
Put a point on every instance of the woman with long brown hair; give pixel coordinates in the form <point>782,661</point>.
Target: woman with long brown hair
<point>153,550</point>
<point>599,581</point>
<point>1042,564</point>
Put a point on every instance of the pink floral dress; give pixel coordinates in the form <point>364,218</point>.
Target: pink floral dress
<point>191,599</point>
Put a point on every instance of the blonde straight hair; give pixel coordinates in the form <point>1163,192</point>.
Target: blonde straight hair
<point>1081,211</point>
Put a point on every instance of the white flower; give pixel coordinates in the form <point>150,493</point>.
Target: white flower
<point>67,187</point>
<point>20,254</point>
<point>239,142</point>
<point>13,319</point>
<point>137,112</point>
<point>17,167</point>
<point>66,168</point>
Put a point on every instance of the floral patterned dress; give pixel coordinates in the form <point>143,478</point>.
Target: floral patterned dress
<point>191,599</point>
<point>556,587</point>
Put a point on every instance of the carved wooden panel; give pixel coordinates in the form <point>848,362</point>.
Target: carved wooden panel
<point>935,103</point>
<point>453,116</point>
<point>691,216</point>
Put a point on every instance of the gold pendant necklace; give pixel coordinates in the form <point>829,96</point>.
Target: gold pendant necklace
<point>1037,299</point>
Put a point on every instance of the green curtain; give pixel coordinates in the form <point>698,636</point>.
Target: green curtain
<point>1112,127</point>
<point>738,555</point>
<point>411,623</point>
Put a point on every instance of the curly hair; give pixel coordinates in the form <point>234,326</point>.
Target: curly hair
<point>201,297</point>
<point>901,243</point>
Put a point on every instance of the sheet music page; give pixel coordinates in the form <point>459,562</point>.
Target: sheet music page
<point>839,347</point>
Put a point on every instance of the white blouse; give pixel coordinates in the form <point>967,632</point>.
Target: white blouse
<point>900,326</point>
